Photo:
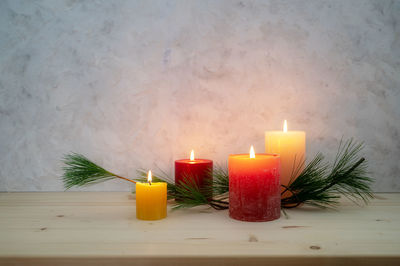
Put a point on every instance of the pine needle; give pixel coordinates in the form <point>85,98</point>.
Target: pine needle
<point>220,179</point>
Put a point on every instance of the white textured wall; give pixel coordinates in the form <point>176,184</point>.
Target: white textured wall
<point>139,83</point>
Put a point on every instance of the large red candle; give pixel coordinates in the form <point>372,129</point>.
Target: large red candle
<point>254,187</point>
<point>197,171</point>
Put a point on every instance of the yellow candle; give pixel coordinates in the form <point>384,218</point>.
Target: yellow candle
<point>151,200</point>
<point>291,146</point>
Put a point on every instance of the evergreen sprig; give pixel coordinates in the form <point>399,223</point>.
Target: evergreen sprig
<point>321,184</point>
<point>318,184</point>
<point>80,171</point>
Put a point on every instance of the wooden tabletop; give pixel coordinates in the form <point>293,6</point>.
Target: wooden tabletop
<point>100,228</point>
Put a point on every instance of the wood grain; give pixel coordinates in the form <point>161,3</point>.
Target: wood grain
<point>100,228</point>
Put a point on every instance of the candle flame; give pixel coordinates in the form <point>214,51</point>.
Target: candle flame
<point>252,153</point>
<point>192,155</point>
<point>285,126</point>
<point>149,178</point>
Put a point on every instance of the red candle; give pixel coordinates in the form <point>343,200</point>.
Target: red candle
<point>198,171</point>
<point>254,187</point>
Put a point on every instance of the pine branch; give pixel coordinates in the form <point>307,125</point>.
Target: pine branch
<point>320,184</point>
<point>80,171</point>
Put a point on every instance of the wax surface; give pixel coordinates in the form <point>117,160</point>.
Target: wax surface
<point>291,147</point>
<point>198,171</point>
<point>151,201</point>
<point>254,187</point>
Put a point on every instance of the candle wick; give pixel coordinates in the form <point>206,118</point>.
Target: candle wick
<point>149,182</point>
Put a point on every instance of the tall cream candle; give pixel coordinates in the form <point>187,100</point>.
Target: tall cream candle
<point>291,146</point>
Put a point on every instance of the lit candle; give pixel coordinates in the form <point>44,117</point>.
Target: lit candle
<point>291,146</point>
<point>194,171</point>
<point>254,188</point>
<point>151,200</point>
